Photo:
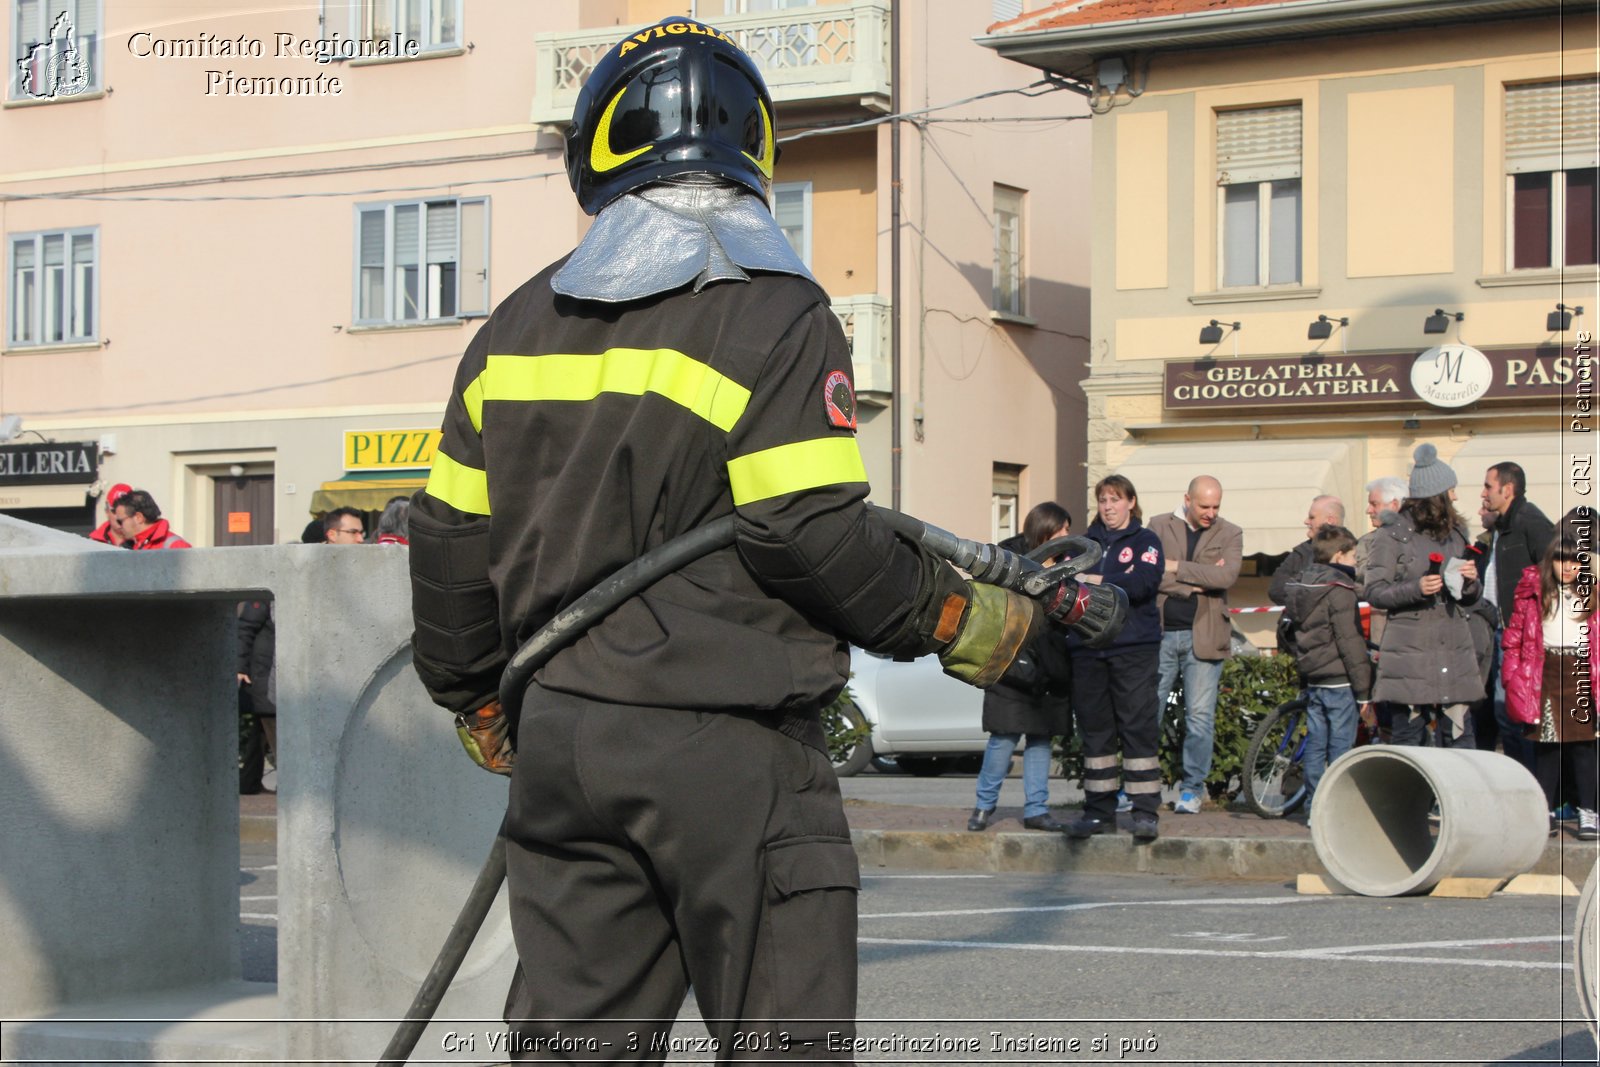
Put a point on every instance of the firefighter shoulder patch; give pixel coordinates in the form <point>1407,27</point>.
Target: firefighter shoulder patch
<point>839,401</point>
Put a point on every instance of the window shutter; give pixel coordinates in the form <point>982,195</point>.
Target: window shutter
<point>1552,126</point>
<point>85,16</point>
<point>406,235</point>
<point>1260,144</point>
<point>1005,10</point>
<point>442,231</point>
<point>372,238</point>
<point>474,269</point>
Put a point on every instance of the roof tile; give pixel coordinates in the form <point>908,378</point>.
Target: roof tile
<point>1095,12</point>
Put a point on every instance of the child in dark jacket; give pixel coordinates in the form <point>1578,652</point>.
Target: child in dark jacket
<point>1330,651</point>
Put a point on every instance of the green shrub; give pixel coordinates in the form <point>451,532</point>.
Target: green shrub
<point>1251,686</point>
<point>843,735</point>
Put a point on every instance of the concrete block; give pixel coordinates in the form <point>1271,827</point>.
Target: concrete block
<point>118,795</point>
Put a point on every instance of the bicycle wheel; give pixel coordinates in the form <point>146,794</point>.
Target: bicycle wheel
<point>1274,785</point>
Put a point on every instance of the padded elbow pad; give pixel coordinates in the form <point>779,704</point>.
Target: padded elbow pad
<point>457,644</point>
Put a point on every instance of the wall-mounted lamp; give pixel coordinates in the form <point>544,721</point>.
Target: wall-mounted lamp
<point>236,470</point>
<point>1559,320</point>
<point>1212,334</point>
<point>1322,328</point>
<point>1439,321</point>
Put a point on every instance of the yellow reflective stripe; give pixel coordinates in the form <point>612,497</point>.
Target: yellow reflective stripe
<point>462,487</point>
<point>681,379</point>
<point>472,400</point>
<point>794,468</point>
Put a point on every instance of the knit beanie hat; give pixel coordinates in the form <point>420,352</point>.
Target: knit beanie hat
<point>1430,476</point>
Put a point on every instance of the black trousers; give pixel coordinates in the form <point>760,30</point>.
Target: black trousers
<point>1114,699</point>
<point>1430,725</point>
<point>1572,764</point>
<point>651,849</point>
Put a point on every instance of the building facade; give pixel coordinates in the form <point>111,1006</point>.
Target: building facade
<point>1325,233</point>
<point>245,248</point>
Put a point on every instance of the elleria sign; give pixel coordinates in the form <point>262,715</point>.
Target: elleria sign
<point>1451,376</point>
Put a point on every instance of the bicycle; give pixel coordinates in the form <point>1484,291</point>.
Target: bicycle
<point>1274,781</point>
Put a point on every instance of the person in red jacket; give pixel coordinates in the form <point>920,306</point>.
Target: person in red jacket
<point>142,523</point>
<point>1550,669</point>
<point>109,532</point>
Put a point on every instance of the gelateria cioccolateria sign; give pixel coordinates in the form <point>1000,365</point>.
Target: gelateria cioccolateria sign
<point>1447,376</point>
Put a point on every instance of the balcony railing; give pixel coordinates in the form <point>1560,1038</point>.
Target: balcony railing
<point>866,326</point>
<point>809,54</point>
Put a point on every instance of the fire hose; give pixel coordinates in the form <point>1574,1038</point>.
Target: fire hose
<point>1099,613</point>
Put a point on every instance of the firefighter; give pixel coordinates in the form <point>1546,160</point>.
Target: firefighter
<point>674,819</point>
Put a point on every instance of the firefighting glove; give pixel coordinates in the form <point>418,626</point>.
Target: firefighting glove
<point>1095,613</point>
<point>986,627</point>
<point>485,735</point>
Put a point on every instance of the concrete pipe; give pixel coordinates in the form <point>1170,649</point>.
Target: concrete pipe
<point>1586,949</point>
<point>1371,827</point>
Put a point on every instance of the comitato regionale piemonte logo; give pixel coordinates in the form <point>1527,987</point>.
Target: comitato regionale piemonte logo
<point>55,67</point>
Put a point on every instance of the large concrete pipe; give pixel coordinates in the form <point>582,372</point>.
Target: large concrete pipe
<point>1371,827</point>
<point>1586,949</point>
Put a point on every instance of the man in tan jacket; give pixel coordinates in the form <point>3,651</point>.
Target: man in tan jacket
<point>1203,552</point>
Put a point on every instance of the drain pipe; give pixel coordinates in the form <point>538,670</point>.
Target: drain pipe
<point>1371,825</point>
<point>896,312</point>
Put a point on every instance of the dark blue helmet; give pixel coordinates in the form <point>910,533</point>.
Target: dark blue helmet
<point>675,98</point>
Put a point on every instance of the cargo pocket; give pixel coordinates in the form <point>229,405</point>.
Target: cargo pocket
<point>812,884</point>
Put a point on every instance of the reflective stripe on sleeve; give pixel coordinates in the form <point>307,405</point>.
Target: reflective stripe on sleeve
<point>794,468</point>
<point>462,487</point>
<point>682,379</point>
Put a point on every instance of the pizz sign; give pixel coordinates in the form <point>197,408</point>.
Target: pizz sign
<point>51,463</point>
<point>1380,378</point>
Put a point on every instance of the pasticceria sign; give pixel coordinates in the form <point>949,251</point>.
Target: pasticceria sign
<point>383,450</point>
<point>1528,374</point>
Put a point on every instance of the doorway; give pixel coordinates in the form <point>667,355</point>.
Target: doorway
<point>242,509</point>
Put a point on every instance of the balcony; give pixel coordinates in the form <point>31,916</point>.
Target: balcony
<point>866,325</point>
<point>821,60</point>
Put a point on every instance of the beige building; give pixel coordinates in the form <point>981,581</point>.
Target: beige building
<point>1325,233</point>
<point>245,245</point>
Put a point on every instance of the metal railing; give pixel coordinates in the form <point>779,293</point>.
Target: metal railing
<point>814,53</point>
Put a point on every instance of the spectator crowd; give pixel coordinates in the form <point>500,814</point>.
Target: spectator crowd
<point>1476,638</point>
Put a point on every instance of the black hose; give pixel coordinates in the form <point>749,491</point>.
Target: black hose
<point>567,626</point>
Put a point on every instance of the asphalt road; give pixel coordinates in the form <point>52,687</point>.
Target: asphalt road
<point>992,968</point>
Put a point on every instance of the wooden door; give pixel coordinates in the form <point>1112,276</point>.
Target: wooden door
<point>243,511</point>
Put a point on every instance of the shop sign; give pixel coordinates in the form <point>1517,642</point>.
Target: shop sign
<point>1451,376</point>
<point>51,463</point>
<point>383,450</point>
<point>1447,376</point>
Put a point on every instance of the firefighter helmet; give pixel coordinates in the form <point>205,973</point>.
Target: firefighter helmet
<point>675,98</point>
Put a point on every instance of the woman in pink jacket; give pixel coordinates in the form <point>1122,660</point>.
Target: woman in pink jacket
<point>1551,674</point>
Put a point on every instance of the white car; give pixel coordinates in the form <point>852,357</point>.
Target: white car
<point>927,721</point>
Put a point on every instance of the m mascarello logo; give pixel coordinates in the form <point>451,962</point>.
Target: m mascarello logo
<point>1451,376</point>
<point>54,68</point>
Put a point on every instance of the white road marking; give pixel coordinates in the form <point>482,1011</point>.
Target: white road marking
<point>1208,935</point>
<point>1473,943</point>
<point>1093,906</point>
<point>264,916</point>
<point>268,867</point>
<point>886,877</point>
<point>1130,950</point>
<point>274,896</point>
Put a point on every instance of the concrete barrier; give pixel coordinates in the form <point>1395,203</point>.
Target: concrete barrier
<point>1371,827</point>
<point>119,894</point>
<point>1586,949</point>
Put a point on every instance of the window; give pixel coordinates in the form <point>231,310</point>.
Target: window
<point>791,206</point>
<point>422,260</point>
<point>55,52</point>
<point>1008,250</point>
<point>1003,502</point>
<point>1258,196</point>
<point>432,24</point>
<point>52,294</point>
<point>1552,129</point>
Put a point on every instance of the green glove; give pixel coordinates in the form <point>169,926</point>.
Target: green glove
<point>485,735</point>
<point>994,625</point>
